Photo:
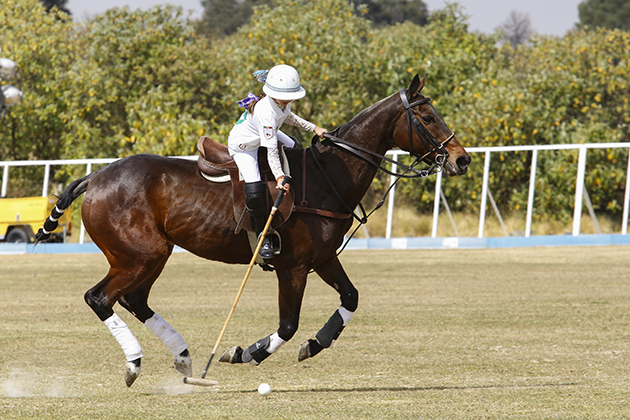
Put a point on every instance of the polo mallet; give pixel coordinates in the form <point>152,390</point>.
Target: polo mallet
<point>209,382</point>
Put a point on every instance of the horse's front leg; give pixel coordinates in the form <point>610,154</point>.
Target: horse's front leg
<point>291,286</point>
<point>334,275</point>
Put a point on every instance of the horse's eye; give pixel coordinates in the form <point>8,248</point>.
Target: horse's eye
<point>427,119</point>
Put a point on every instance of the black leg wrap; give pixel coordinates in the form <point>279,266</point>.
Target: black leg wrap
<point>331,330</point>
<point>257,352</point>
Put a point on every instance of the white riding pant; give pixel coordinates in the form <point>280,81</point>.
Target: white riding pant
<point>247,161</point>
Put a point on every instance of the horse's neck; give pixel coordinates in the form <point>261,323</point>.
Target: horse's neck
<point>373,130</point>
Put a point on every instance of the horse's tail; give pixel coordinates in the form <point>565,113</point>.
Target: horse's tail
<point>66,198</point>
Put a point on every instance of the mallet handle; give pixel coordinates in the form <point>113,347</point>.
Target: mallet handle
<point>249,270</point>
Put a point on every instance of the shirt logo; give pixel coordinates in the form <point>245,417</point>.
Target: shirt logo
<point>242,146</point>
<point>268,132</point>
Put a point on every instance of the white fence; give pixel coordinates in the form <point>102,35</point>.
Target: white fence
<point>487,151</point>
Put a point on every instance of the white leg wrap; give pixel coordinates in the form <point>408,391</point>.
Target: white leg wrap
<point>346,315</point>
<point>275,342</point>
<point>163,330</point>
<point>124,336</point>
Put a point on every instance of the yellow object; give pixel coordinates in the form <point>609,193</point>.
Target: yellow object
<point>21,218</point>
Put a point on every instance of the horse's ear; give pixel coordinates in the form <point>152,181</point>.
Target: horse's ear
<point>416,85</point>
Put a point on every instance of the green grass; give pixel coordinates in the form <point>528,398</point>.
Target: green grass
<point>449,334</point>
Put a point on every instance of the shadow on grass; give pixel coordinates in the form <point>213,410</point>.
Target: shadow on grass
<point>410,389</point>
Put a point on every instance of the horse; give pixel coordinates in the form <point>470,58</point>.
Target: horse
<point>139,207</point>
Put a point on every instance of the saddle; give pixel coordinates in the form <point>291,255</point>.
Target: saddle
<point>216,165</point>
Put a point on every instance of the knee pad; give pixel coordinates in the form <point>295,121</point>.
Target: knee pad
<point>256,198</point>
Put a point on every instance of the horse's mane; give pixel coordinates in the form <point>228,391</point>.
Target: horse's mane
<point>360,116</point>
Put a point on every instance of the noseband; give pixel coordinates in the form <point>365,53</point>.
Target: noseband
<point>431,144</point>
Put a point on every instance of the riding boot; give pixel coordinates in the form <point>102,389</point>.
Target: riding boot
<point>256,203</point>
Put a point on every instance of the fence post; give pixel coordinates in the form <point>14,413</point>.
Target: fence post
<point>530,197</point>
<point>579,191</point>
<point>46,179</point>
<point>484,193</point>
<point>5,181</point>
<point>390,199</point>
<point>436,204</point>
<point>626,200</point>
<point>82,234</point>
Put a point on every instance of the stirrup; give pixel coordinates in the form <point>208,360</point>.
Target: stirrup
<point>266,250</point>
<point>271,246</point>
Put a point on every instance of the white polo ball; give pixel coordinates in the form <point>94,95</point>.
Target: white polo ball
<point>264,389</point>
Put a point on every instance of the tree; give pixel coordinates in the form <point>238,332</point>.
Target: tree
<point>610,14</point>
<point>324,40</point>
<point>139,86</point>
<point>59,4</point>
<point>516,29</point>
<point>40,42</point>
<point>390,12</point>
<point>224,17</point>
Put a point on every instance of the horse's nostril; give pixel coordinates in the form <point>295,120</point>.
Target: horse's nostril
<point>463,162</point>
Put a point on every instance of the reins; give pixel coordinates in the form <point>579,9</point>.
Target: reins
<point>432,145</point>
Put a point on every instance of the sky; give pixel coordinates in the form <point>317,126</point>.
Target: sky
<point>549,17</point>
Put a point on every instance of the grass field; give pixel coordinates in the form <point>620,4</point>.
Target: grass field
<point>458,334</point>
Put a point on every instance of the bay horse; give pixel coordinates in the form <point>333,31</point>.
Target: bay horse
<point>138,208</point>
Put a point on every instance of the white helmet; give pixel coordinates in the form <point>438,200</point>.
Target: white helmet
<point>11,95</point>
<point>283,83</point>
<point>7,68</point>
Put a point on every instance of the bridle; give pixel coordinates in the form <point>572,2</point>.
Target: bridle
<point>432,145</point>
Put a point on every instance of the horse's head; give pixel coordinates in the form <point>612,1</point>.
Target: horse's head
<point>422,132</point>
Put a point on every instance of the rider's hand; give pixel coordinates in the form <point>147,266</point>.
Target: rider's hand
<point>281,185</point>
<point>320,131</point>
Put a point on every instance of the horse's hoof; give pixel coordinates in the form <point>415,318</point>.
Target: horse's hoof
<point>183,363</point>
<point>232,355</point>
<point>131,371</point>
<point>304,352</point>
<point>309,349</point>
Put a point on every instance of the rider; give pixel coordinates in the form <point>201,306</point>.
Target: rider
<point>262,128</point>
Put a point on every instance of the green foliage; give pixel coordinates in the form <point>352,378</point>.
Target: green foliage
<point>309,36</point>
<point>38,42</point>
<point>224,17</point>
<point>59,4</point>
<point>129,82</point>
<point>610,14</point>
<point>139,85</point>
<point>559,90</point>
<point>390,12</point>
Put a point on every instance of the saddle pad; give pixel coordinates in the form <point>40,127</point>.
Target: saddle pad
<point>216,165</point>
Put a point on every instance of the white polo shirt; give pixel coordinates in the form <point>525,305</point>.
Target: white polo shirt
<point>252,131</point>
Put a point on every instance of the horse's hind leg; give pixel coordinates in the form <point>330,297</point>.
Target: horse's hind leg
<point>101,299</point>
<point>334,275</point>
<point>123,278</point>
<point>136,302</point>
